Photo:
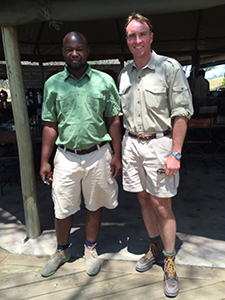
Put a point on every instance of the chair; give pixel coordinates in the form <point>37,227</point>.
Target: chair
<point>198,139</point>
<point>9,158</point>
<point>206,107</point>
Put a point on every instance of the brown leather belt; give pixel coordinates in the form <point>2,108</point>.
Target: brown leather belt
<point>147,137</point>
<point>86,151</point>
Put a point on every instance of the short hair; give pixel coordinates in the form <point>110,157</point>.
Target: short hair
<point>138,17</point>
<point>201,72</point>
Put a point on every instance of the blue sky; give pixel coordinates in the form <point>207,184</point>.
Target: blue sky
<point>218,71</point>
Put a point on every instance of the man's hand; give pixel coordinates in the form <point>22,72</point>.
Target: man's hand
<point>172,165</point>
<point>114,127</point>
<point>46,173</point>
<point>49,136</point>
<point>115,167</point>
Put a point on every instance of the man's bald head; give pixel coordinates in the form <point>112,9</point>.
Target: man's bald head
<point>75,34</point>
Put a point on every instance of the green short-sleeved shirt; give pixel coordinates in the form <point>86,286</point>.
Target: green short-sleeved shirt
<point>80,107</point>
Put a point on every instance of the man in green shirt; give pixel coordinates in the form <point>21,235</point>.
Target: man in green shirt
<point>80,110</point>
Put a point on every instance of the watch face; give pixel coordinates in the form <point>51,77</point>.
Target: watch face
<point>177,155</point>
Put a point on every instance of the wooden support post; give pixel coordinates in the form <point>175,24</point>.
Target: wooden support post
<point>21,119</point>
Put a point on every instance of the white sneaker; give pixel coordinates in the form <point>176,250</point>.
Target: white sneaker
<point>92,261</point>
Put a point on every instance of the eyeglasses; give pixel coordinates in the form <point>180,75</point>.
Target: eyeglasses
<point>160,171</point>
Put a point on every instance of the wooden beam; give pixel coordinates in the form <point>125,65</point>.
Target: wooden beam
<point>21,119</point>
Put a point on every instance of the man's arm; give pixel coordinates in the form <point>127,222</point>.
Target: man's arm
<point>49,136</point>
<point>114,128</point>
<point>172,165</point>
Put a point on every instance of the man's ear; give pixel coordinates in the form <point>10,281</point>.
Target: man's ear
<point>151,37</point>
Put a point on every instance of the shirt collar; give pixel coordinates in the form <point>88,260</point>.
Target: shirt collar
<point>67,74</point>
<point>150,64</point>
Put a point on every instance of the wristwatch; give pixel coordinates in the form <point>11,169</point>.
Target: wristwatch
<point>177,155</point>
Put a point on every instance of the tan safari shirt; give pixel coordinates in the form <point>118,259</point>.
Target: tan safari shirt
<point>151,97</point>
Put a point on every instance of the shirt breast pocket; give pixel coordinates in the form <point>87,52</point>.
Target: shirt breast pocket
<point>66,103</point>
<point>155,96</point>
<point>96,102</point>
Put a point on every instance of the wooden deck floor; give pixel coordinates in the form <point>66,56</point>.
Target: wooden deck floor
<point>20,279</point>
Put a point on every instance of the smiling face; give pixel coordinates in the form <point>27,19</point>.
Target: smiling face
<point>75,52</point>
<point>139,40</point>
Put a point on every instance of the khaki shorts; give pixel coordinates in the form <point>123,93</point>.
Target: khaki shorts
<point>86,175</point>
<point>141,160</point>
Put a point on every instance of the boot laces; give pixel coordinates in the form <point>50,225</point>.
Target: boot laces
<point>152,250</point>
<point>170,267</point>
<point>92,251</point>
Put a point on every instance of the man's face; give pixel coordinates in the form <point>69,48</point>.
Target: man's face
<point>139,39</point>
<point>75,52</point>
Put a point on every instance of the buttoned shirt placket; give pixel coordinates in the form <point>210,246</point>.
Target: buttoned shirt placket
<point>138,102</point>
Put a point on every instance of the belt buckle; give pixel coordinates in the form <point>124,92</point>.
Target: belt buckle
<point>159,134</point>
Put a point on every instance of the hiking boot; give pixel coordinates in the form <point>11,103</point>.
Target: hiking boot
<point>92,261</point>
<point>55,261</point>
<point>171,282</point>
<point>148,260</point>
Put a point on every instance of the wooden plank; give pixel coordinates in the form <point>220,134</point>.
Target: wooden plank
<point>200,123</point>
<point>21,278</point>
<point>82,286</point>
<point>215,292</point>
<point>184,271</point>
<point>151,291</point>
<point>51,285</point>
<point>3,254</point>
<point>120,287</point>
<point>211,291</point>
<point>25,260</point>
<point>117,280</point>
<point>11,270</point>
<point>77,265</point>
<point>70,267</point>
<point>189,290</point>
<point>11,276</point>
<point>200,272</point>
<point>127,267</point>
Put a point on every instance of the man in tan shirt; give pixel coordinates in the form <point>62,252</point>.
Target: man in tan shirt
<point>154,94</point>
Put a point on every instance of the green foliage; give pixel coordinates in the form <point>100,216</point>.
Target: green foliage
<point>223,82</point>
